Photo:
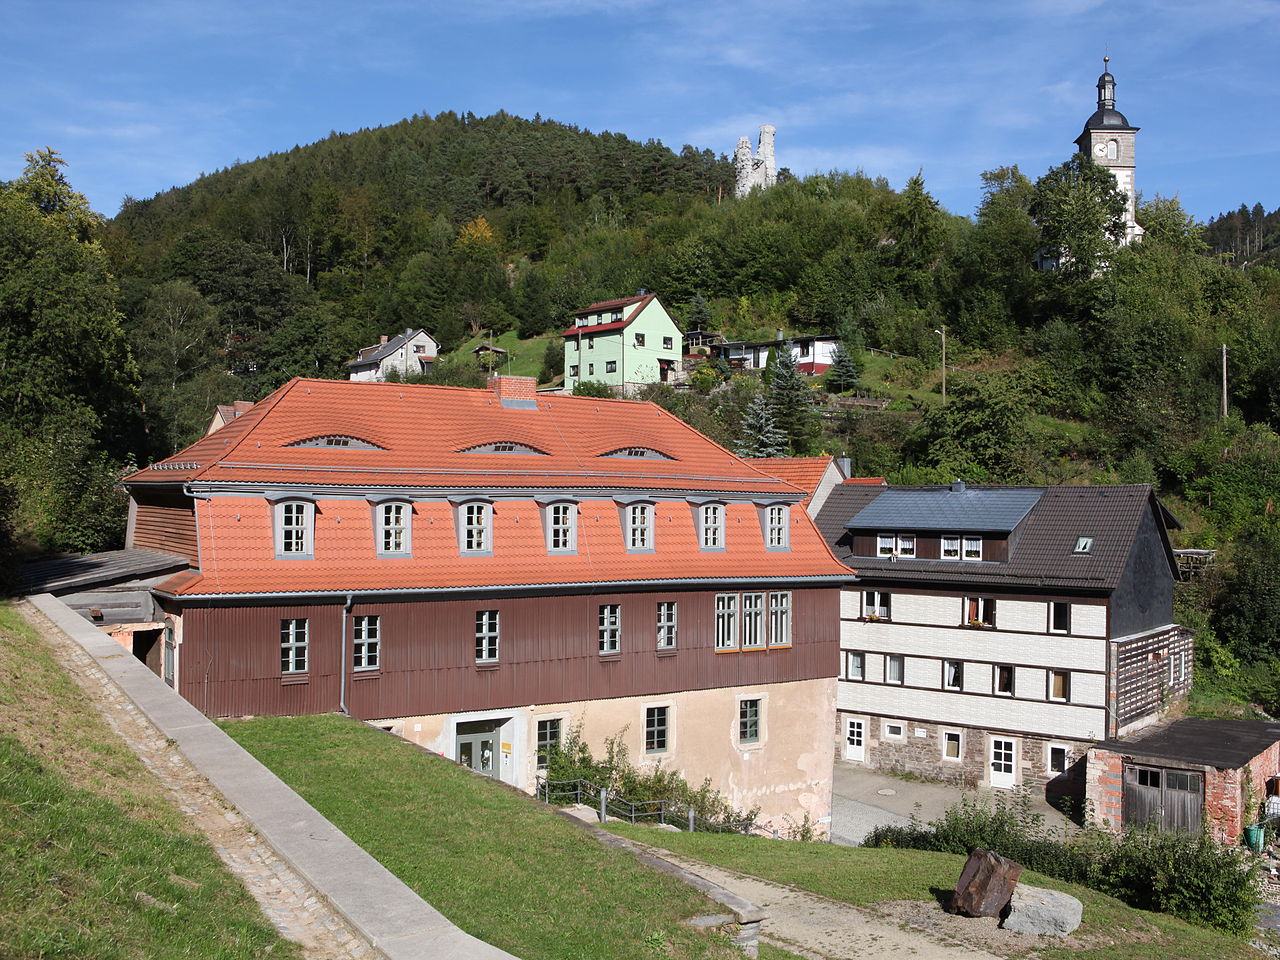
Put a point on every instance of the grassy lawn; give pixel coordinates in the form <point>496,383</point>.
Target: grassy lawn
<point>866,876</point>
<point>95,862</point>
<point>524,356</point>
<point>501,866</point>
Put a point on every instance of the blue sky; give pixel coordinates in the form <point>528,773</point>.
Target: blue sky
<point>141,96</point>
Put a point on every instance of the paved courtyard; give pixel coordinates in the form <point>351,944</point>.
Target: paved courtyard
<point>864,799</point>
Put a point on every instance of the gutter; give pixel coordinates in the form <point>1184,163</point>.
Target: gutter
<point>472,589</point>
<point>342,653</point>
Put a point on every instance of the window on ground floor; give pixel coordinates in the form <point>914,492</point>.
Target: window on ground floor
<point>655,729</point>
<point>548,740</point>
<point>748,721</point>
<point>951,745</point>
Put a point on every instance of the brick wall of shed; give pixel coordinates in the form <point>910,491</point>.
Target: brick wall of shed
<point>1104,788</point>
<point>1224,803</point>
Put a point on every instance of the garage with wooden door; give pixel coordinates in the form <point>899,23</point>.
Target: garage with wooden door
<point>1186,773</point>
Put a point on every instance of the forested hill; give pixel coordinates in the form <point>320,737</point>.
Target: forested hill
<point>1249,235</point>
<point>316,206</point>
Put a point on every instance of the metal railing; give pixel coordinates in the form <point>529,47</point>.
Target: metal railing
<point>562,793</point>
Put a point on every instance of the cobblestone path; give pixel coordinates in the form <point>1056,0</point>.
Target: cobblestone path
<point>288,901</point>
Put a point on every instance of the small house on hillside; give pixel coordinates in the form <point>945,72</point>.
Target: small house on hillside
<point>1186,774</point>
<point>410,352</point>
<point>813,355</point>
<point>623,343</point>
<point>224,413</point>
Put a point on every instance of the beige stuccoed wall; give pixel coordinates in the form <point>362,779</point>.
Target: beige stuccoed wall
<point>787,774</point>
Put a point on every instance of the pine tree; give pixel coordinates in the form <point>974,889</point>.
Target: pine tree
<point>844,372</point>
<point>791,401</point>
<point>699,313</point>
<point>760,434</point>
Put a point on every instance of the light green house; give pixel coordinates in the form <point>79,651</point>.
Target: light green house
<point>623,343</point>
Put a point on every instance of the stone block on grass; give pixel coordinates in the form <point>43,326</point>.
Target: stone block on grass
<point>1036,910</point>
<point>986,884</point>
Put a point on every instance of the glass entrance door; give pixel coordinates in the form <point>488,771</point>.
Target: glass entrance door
<point>477,745</point>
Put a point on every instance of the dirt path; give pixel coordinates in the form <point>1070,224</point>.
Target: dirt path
<point>287,900</point>
<point>823,929</point>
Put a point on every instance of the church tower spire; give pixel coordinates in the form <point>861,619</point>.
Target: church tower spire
<point>1108,139</point>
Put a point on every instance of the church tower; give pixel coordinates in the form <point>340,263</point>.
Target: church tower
<point>1109,140</point>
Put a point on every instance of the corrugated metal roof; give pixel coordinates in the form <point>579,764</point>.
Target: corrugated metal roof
<point>953,510</point>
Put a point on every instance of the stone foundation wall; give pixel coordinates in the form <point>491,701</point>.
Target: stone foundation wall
<point>919,752</point>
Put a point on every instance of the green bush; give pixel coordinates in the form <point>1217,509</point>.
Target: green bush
<point>1190,876</point>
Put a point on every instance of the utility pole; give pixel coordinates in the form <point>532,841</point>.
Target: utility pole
<point>943,334</point>
<point>1224,381</point>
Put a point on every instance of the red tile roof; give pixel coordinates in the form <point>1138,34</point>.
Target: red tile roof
<point>867,481</point>
<point>423,430</point>
<point>804,472</point>
<point>642,302</point>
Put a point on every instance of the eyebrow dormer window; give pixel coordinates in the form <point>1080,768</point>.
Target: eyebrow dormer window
<point>637,453</point>
<point>336,440</point>
<point>505,446</point>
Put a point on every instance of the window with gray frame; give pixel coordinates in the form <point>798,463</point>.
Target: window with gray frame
<point>748,721</point>
<point>475,527</point>
<point>655,729</point>
<point>365,642</point>
<point>293,645</point>
<point>780,619</point>
<point>393,528</point>
<point>726,621</point>
<point>487,633</point>
<point>776,517</point>
<point>712,532</point>
<point>548,740</point>
<point>666,624</point>
<point>561,533</point>
<point>752,620</point>
<point>640,526</point>
<point>295,518</point>
<point>610,627</point>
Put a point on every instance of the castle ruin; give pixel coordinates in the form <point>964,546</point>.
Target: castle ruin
<point>758,170</point>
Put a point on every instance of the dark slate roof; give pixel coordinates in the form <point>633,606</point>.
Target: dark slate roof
<point>1226,744</point>
<point>1042,549</point>
<point>1107,118</point>
<point>380,351</point>
<point>963,510</point>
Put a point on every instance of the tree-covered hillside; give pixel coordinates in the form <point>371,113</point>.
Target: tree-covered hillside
<point>1105,369</point>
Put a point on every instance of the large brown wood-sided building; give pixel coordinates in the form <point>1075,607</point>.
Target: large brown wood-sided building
<point>481,570</point>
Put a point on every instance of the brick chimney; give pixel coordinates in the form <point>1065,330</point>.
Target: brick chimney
<point>516,392</point>
<point>382,340</point>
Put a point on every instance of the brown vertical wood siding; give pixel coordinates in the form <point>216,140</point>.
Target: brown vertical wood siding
<point>165,521</point>
<point>230,660</point>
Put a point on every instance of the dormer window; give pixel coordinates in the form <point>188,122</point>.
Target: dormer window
<point>950,548</point>
<point>896,545</point>
<point>637,453</point>
<point>562,527</point>
<point>711,526</point>
<point>336,440</point>
<point>973,548</point>
<point>505,446</point>
<point>776,527</point>
<point>1084,545</point>
<point>639,526</point>
<point>394,528</point>
<point>474,520</point>
<point>295,528</point>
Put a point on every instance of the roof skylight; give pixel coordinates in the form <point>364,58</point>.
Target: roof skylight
<point>1084,545</point>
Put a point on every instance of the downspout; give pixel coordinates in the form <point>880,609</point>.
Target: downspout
<point>342,662</point>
